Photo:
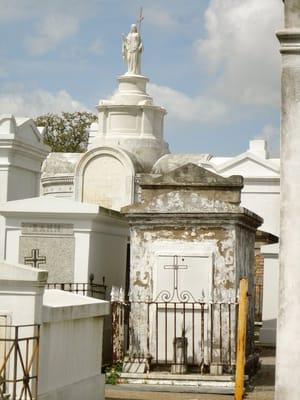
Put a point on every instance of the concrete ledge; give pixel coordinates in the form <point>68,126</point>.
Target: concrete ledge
<point>182,377</point>
<point>59,305</point>
<point>22,273</point>
<point>116,391</point>
<point>194,383</point>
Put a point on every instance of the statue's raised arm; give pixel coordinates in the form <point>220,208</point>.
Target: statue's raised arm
<point>132,48</point>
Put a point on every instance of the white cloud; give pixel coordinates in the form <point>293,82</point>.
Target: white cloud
<point>182,107</point>
<point>241,53</point>
<point>96,47</point>
<point>241,48</point>
<point>271,134</point>
<point>161,18</point>
<point>14,10</point>
<point>52,21</point>
<point>51,31</point>
<point>37,102</point>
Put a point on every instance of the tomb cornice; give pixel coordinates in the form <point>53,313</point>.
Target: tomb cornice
<point>244,217</point>
<point>103,214</point>
<point>261,180</point>
<point>289,39</point>
<point>62,209</point>
<point>57,179</point>
<point>58,184</point>
<point>191,175</point>
<point>34,152</point>
<point>130,107</point>
<point>222,168</point>
<point>190,185</point>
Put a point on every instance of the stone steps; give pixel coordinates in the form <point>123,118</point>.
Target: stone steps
<point>197,383</point>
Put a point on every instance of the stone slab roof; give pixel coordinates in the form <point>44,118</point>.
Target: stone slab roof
<point>193,175</point>
<point>168,162</point>
<point>19,272</point>
<point>52,205</point>
<point>59,305</point>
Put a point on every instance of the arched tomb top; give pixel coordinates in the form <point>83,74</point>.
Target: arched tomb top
<point>105,176</point>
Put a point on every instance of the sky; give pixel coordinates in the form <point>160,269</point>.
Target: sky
<point>213,64</point>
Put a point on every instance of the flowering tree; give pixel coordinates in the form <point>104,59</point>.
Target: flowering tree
<point>66,132</point>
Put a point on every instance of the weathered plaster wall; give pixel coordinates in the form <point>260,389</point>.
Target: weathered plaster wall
<point>189,200</point>
<point>292,13</point>
<point>218,241</point>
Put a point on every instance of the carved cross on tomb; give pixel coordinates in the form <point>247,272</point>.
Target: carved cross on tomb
<point>35,259</point>
<point>176,267</point>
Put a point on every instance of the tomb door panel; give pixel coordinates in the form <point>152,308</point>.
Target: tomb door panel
<point>182,277</point>
<point>182,283</point>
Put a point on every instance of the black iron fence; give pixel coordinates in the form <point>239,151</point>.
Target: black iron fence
<point>19,354</point>
<point>95,290</point>
<point>191,334</point>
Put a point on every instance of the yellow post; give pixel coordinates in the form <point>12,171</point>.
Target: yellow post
<point>241,340</point>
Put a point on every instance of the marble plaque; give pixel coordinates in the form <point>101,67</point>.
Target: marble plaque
<point>59,251</point>
<point>119,121</point>
<point>30,228</point>
<point>105,182</point>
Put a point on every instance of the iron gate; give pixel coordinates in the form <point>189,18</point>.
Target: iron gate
<point>19,356</point>
<point>206,330</point>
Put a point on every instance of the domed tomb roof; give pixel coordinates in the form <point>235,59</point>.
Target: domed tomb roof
<point>168,162</point>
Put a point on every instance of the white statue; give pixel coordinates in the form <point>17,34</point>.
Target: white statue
<point>131,50</point>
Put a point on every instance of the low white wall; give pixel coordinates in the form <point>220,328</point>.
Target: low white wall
<point>21,293</point>
<point>71,347</point>
<point>21,300</point>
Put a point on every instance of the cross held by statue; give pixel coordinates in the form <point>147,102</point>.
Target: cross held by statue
<point>35,259</point>
<point>140,19</point>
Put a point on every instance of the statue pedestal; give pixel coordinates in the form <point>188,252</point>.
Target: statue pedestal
<point>132,90</point>
<point>131,121</point>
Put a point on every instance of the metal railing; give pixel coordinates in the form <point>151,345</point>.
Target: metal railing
<point>258,301</point>
<point>196,334</point>
<point>95,290</point>
<point>19,355</point>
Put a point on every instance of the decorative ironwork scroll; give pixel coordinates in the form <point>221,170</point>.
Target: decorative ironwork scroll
<point>175,294</point>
